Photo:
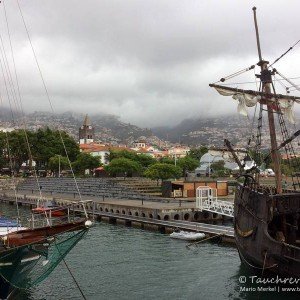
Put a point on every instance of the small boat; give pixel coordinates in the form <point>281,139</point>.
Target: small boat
<point>187,236</point>
<point>50,208</point>
<point>8,225</point>
<point>29,255</point>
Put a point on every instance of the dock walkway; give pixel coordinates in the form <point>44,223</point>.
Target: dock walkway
<point>161,216</point>
<point>211,229</point>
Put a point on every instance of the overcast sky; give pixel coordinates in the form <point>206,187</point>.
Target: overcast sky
<point>148,61</point>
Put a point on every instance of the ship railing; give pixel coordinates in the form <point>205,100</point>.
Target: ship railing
<point>207,199</point>
<point>49,218</point>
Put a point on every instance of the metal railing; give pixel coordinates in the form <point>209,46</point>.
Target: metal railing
<point>207,199</point>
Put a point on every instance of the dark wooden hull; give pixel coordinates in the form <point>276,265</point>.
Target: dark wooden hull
<point>267,230</point>
<point>39,235</point>
<point>4,288</point>
<point>20,251</point>
<point>15,262</point>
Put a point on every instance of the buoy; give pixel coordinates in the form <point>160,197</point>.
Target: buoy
<point>88,223</point>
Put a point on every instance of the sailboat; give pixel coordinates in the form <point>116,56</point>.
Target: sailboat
<point>28,254</point>
<point>266,218</point>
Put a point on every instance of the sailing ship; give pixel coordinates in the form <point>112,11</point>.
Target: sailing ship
<point>29,255</point>
<point>266,218</point>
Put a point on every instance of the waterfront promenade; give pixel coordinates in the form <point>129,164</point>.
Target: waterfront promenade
<point>160,216</point>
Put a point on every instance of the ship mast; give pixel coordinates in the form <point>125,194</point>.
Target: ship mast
<point>266,80</point>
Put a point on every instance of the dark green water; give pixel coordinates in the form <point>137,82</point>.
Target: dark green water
<point>117,262</point>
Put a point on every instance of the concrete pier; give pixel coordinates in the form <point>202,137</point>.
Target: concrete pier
<point>161,216</point>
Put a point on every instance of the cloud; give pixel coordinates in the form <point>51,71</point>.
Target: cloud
<point>150,62</point>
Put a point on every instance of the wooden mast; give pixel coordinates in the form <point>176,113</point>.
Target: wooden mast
<point>266,80</point>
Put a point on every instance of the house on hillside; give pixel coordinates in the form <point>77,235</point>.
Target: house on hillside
<point>178,152</point>
<point>139,144</point>
<point>103,151</point>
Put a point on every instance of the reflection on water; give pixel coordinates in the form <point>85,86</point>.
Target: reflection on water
<point>117,262</point>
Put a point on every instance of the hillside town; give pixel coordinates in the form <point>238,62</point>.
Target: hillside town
<point>100,142</point>
<point>141,146</point>
<point>109,130</point>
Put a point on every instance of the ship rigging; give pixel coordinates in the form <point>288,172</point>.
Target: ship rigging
<point>267,218</point>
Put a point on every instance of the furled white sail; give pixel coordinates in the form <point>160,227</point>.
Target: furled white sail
<point>286,107</point>
<point>249,100</point>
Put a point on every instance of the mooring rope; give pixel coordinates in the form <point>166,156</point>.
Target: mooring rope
<point>198,242</point>
<point>249,264</point>
<point>262,271</point>
<point>69,270</point>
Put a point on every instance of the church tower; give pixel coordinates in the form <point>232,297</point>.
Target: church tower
<point>86,132</point>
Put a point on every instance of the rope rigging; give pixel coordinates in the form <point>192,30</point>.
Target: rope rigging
<point>18,100</point>
<point>282,55</point>
<point>49,99</point>
<point>236,74</point>
<point>288,80</point>
<point>13,94</point>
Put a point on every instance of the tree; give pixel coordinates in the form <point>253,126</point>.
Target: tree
<point>218,165</point>
<point>219,169</point>
<point>145,160</point>
<point>197,153</point>
<point>167,160</point>
<point>20,146</point>
<point>4,162</point>
<point>163,171</point>
<point>290,167</point>
<point>262,158</point>
<point>16,148</point>
<point>58,162</point>
<point>123,166</point>
<point>188,164</point>
<point>122,154</point>
<point>47,143</point>
<point>85,161</point>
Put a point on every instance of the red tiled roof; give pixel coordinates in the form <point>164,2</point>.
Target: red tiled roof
<point>285,156</point>
<point>93,147</point>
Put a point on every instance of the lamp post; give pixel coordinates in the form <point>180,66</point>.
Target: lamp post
<point>58,166</point>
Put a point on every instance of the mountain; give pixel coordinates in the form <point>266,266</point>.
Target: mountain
<point>111,130</point>
<point>108,128</point>
<point>213,131</point>
<point>203,131</point>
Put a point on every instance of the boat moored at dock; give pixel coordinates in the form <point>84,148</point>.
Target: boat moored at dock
<point>187,235</point>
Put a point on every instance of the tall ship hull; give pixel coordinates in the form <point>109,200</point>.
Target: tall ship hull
<point>267,230</point>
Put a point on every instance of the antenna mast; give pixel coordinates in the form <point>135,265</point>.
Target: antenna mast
<point>266,80</point>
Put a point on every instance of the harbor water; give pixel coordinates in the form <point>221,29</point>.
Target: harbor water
<point>118,262</point>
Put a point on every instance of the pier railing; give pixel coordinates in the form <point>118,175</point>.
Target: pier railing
<point>207,199</point>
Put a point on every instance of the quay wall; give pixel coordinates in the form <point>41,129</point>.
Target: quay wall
<point>135,216</point>
<point>166,214</point>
